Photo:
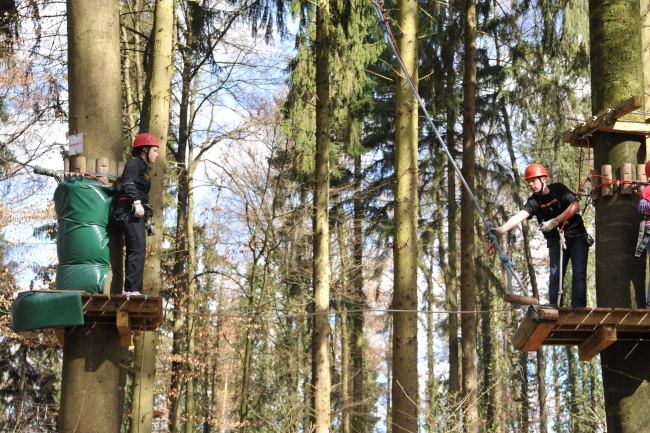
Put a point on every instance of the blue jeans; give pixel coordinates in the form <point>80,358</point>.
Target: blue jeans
<point>577,250</point>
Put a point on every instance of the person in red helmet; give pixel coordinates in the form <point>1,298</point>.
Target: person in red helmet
<point>644,228</point>
<point>552,205</point>
<point>129,212</point>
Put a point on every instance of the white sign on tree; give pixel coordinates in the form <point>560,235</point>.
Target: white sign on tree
<point>76,144</point>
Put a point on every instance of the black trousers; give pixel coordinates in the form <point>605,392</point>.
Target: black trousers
<point>136,244</point>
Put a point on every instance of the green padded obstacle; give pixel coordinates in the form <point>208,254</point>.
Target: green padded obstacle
<point>42,310</point>
<point>83,207</point>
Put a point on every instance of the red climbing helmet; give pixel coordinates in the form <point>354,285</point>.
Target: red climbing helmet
<point>647,169</point>
<point>145,139</point>
<point>537,170</point>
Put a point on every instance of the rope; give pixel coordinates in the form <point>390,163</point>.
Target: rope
<point>390,39</point>
<point>560,292</point>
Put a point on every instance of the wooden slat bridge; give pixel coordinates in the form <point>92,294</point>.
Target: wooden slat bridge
<point>134,313</point>
<point>591,329</point>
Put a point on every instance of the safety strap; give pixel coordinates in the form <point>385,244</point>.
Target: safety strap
<point>644,238</point>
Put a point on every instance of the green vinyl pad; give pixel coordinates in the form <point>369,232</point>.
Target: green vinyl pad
<point>42,310</point>
<point>83,208</point>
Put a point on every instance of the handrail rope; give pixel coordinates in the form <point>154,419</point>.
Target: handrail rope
<point>390,39</point>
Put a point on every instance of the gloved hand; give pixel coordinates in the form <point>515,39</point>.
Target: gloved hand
<point>498,231</point>
<point>138,209</point>
<point>549,225</point>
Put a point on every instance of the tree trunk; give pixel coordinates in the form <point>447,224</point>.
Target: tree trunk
<point>359,413</point>
<point>91,400</point>
<point>179,270</point>
<point>191,299</point>
<point>620,281</point>
<point>320,335</point>
<point>467,278</point>
<point>405,243</point>
<point>155,120</point>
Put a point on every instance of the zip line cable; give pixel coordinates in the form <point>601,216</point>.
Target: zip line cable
<point>390,39</point>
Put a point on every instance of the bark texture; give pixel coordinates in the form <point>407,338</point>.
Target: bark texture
<point>91,400</point>
<point>467,247</point>
<point>155,120</point>
<point>616,74</point>
<point>405,243</point>
<point>321,332</point>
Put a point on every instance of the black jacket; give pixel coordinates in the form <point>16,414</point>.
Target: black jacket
<point>136,182</point>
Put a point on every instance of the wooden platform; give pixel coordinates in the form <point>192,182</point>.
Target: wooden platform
<point>134,313</point>
<point>591,329</point>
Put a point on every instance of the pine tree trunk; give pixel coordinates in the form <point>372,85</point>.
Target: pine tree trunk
<point>91,400</point>
<point>405,242</point>
<point>179,271</point>
<point>467,278</point>
<point>617,74</point>
<point>359,413</point>
<point>191,300</point>
<point>155,120</point>
<point>344,321</point>
<point>320,335</point>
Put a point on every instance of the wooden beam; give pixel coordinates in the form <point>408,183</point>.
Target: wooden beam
<point>605,118</point>
<point>537,338</point>
<point>521,300</point>
<point>60,335</point>
<point>602,338</point>
<point>124,327</point>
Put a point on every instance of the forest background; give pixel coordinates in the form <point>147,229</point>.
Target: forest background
<point>235,350</point>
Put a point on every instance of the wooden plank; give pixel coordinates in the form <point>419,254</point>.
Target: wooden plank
<point>521,300</point>
<point>97,304</point>
<point>626,127</point>
<point>604,316</point>
<point>537,338</point>
<point>60,335</point>
<point>602,338</point>
<point>604,118</point>
<point>123,327</point>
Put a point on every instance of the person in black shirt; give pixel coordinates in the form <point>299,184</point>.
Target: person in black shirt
<point>129,211</point>
<point>552,205</point>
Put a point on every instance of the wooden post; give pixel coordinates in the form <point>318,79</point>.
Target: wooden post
<point>120,170</point>
<point>79,164</point>
<point>123,327</point>
<point>606,171</point>
<point>91,166</point>
<point>103,168</point>
<point>626,174</point>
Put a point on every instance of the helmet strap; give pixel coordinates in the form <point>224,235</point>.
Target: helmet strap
<point>145,152</point>
<point>543,182</point>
